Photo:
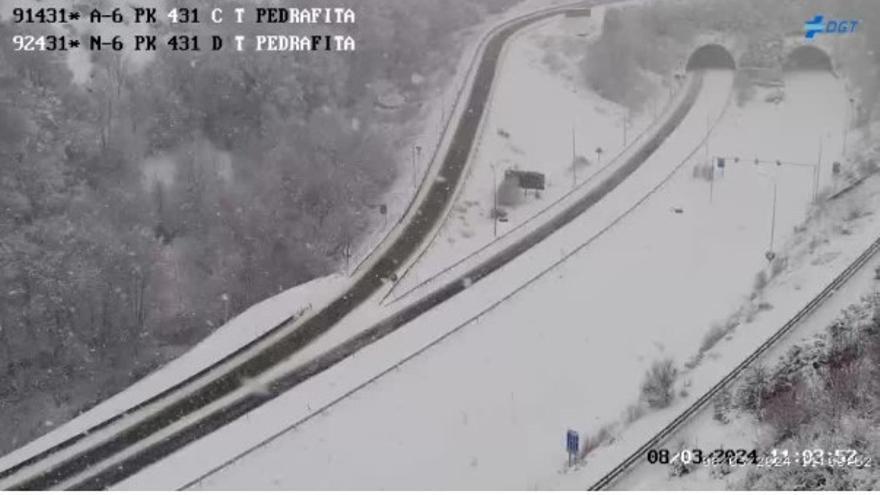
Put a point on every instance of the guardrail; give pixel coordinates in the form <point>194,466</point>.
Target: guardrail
<point>453,115</point>
<point>118,435</point>
<point>383,329</point>
<point>608,479</point>
<point>579,187</point>
<point>115,472</point>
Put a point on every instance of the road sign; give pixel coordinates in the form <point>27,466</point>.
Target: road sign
<point>721,163</point>
<point>572,445</point>
<point>528,180</point>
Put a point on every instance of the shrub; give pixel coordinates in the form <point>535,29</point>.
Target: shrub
<point>854,212</point>
<point>657,388</point>
<point>752,389</point>
<point>784,410</point>
<point>721,406</point>
<point>716,333</point>
<point>778,266</point>
<point>868,167</point>
<point>633,413</point>
<point>760,281</point>
<point>592,442</point>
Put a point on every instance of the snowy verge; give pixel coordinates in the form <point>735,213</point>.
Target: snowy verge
<point>238,332</point>
<point>811,267</point>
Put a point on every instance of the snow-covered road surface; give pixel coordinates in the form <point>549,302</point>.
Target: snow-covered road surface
<point>492,400</point>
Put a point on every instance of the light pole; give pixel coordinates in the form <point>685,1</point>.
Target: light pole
<point>574,179</point>
<point>225,299</point>
<point>711,180</point>
<point>817,172</point>
<point>414,173</point>
<point>770,254</point>
<point>599,151</point>
<point>773,217</point>
<point>849,117</point>
<point>494,202</point>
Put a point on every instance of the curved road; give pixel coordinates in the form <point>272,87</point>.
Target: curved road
<point>44,471</point>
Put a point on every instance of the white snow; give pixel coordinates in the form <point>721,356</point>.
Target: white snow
<point>812,269</point>
<point>479,392</point>
<point>487,407</point>
<point>259,322</point>
<point>239,331</point>
<point>540,117</point>
<point>538,361</point>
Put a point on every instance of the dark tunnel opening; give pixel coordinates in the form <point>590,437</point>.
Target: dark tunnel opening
<point>711,57</point>
<point>808,58</point>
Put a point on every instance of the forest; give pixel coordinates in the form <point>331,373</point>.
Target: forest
<point>144,202</point>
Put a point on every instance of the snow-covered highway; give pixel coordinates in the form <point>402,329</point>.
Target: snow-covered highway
<point>527,356</point>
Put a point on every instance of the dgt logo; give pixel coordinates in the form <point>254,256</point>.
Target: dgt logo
<point>819,25</point>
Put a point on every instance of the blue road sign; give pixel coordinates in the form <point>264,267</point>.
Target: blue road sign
<point>572,441</point>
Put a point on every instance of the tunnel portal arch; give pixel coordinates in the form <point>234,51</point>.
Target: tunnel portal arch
<point>711,56</point>
<point>808,57</point>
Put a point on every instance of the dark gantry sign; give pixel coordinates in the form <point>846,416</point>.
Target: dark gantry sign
<point>579,13</point>
<point>528,180</point>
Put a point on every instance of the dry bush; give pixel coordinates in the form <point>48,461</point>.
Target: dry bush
<point>592,442</point>
<point>784,410</point>
<point>753,389</point>
<point>760,281</point>
<point>778,266</point>
<point>634,412</point>
<point>657,387</point>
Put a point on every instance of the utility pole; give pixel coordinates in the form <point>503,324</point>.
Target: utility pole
<point>574,179</point>
<point>849,116</point>
<point>711,180</point>
<point>225,298</point>
<point>494,202</point>
<point>706,142</point>
<point>415,173</point>
<point>773,217</point>
<point>817,173</point>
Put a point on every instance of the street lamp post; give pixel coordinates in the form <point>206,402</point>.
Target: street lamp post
<point>574,179</point>
<point>711,179</point>
<point>773,218</point>
<point>414,172</point>
<point>770,254</point>
<point>225,299</point>
<point>494,202</point>
<point>849,117</point>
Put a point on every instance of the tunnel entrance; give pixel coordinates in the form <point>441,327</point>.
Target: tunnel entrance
<point>808,58</point>
<point>711,57</point>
